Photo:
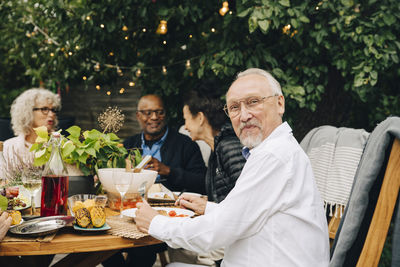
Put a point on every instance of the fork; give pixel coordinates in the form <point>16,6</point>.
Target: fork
<point>142,189</point>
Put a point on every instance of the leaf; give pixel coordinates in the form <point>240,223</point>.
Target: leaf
<point>74,131</point>
<point>92,134</point>
<point>3,203</point>
<point>113,136</point>
<point>304,19</point>
<point>244,13</point>
<point>264,25</point>
<point>389,19</point>
<point>67,149</point>
<point>40,153</point>
<point>42,134</point>
<point>252,24</point>
<point>285,3</point>
<point>91,151</point>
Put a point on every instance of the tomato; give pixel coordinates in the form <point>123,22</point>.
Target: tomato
<point>172,213</point>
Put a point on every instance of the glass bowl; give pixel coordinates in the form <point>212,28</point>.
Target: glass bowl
<point>100,200</point>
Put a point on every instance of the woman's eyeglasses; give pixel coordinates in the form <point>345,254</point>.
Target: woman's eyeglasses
<point>45,110</point>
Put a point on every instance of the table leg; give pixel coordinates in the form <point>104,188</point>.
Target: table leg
<point>85,259</point>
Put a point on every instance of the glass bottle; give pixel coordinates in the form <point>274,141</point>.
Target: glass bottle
<point>54,181</point>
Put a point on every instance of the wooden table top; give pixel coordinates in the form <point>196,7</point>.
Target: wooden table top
<point>67,240</point>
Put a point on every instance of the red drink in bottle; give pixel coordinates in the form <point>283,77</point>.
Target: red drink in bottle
<point>54,195</point>
<point>54,181</point>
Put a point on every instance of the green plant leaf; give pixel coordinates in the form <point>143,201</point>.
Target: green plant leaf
<point>285,3</point>
<point>3,203</point>
<point>74,131</point>
<point>42,135</point>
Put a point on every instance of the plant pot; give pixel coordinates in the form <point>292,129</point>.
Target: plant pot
<point>80,185</point>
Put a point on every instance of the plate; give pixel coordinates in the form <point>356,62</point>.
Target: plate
<point>42,226</point>
<point>132,212</point>
<point>161,196</point>
<point>94,229</point>
<point>12,226</point>
<point>188,193</point>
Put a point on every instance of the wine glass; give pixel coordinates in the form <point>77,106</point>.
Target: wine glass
<point>31,178</point>
<point>122,181</point>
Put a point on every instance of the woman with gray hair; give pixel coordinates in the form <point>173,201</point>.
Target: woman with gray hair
<point>33,108</point>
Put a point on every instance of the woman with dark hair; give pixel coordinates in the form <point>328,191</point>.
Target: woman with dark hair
<point>206,120</point>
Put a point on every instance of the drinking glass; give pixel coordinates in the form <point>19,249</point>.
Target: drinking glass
<point>31,178</point>
<point>122,181</point>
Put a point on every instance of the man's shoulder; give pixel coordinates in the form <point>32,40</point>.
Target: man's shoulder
<point>132,141</point>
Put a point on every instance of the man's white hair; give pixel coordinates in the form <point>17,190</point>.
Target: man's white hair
<point>273,83</point>
<point>22,108</point>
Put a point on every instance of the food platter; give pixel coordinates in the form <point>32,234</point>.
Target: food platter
<point>166,197</point>
<point>179,212</point>
<point>42,226</point>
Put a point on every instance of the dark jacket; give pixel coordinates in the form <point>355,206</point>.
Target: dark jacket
<point>184,158</point>
<point>225,164</point>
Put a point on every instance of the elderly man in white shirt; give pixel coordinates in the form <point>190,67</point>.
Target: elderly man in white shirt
<point>274,215</point>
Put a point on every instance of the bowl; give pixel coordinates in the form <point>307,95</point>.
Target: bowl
<point>132,196</point>
<point>105,176</point>
<point>100,200</point>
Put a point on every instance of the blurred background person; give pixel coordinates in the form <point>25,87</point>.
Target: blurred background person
<point>33,108</point>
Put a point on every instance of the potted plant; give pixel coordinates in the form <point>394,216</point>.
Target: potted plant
<point>85,152</point>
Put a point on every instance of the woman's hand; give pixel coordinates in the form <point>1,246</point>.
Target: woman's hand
<point>197,204</point>
<point>5,222</point>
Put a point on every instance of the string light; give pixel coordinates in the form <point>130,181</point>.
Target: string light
<point>52,54</point>
<point>28,34</point>
<point>286,29</point>
<point>190,36</point>
<point>164,42</point>
<point>164,70</point>
<point>102,26</point>
<point>111,54</point>
<point>97,67</point>
<point>131,84</point>
<point>87,17</point>
<point>98,87</point>
<point>124,28</point>
<point>108,93</point>
<point>84,78</point>
<point>126,37</point>
<point>70,53</point>
<point>230,12</point>
<point>224,8</point>
<point>138,73</point>
<point>77,47</point>
<point>162,27</point>
<point>213,29</point>
<point>188,66</point>
<point>119,72</point>
<point>144,30</point>
<point>122,90</point>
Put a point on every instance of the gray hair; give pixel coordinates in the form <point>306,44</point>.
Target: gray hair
<point>22,108</point>
<point>273,83</point>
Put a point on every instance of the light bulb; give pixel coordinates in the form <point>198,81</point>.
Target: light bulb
<point>164,70</point>
<point>224,8</point>
<point>97,67</point>
<point>138,72</point>
<point>52,54</point>
<point>102,26</point>
<point>108,93</point>
<point>131,84</point>
<point>124,28</point>
<point>84,78</point>
<point>122,90</point>
<point>162,27</point>
<point>119,72</point>
<point>187,64</point>
<point>98,87</point>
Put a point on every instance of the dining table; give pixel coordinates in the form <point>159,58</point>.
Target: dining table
<point>83,248</point>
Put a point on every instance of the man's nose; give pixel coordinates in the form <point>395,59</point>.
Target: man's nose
<point>244,115</point>
<point>153,115</point>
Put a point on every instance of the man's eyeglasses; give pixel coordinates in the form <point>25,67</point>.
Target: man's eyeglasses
<point>251,103</point>
<point>148,112</point>
<point>45,110</point>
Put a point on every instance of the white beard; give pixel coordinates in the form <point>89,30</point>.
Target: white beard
<point>248,140</point>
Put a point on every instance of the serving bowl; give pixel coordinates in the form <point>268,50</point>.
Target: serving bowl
<point>132,196</point>
<point>100,200</point>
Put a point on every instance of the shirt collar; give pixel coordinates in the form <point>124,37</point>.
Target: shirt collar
<point>282,129</point>
<point>246,152</point>
<point>161,141</point>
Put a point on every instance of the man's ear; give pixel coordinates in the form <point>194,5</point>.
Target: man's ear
<point>201,118</point>
<point>137,116</point>
<point>281,105</point>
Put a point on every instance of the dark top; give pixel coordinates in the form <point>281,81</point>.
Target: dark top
<point>184,158</point>
<point>225,164</point>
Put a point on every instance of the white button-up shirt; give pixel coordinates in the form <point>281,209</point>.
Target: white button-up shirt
<point>272,217</point>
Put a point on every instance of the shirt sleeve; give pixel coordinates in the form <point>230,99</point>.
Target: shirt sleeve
<point>259,192</point>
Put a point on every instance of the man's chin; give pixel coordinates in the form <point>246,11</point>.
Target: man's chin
<point>251,141</point>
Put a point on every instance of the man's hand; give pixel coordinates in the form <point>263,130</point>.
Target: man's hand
<point>158,166</point>
<point>197,204</point>
<point>144,216</point>
<point>5,222</point>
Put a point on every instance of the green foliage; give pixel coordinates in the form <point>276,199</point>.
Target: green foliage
<point>88,150</point>
<point>348,45</point>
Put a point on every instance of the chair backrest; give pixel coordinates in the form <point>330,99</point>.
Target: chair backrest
<point>363,228</point>
<point>334,155</point>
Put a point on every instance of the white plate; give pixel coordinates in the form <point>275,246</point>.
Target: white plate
<point>160,195</point>
<point>188,193</point>
<point>22,220</point>
<point>132,212</point>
